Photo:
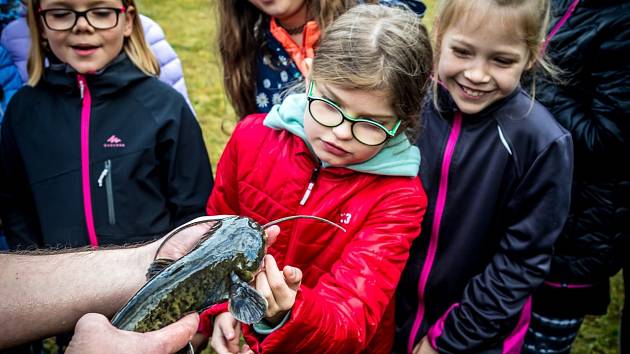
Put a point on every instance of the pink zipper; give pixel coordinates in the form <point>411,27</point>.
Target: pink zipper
<point>85,159</point>
<point>560,23</point>
<point>435,230</point>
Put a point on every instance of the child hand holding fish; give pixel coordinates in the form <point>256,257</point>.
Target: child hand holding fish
<point>340,152</point>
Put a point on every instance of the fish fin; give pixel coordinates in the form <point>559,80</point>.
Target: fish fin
<point>157,266</point>
<point>246,304</point>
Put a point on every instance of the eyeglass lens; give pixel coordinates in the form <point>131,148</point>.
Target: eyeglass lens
<point>65,19</point>
<point>329,116</point>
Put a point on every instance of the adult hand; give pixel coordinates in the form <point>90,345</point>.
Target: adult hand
<point>279,288</point>
<point>94,334</point>
<point>424,347</point>
<point>226,334</point>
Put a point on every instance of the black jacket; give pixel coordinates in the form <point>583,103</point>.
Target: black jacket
<point>141,169</point>
<point>593,49</point>
<point>492,219</point>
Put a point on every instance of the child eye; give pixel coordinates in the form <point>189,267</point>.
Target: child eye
<point>504,61</point>
<point>60,14</point>
<point>102,13</point>
<point>460,52</point>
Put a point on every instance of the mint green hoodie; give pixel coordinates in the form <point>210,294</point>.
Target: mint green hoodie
<point>397,158</point>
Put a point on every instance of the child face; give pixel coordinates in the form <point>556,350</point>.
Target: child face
<point>480,63</point>
<point>82,46</point>
<point>281,9</point>
<point>337,146</point>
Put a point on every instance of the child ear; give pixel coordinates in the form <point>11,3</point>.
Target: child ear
<point>308,65</point>
<point>130,17</point>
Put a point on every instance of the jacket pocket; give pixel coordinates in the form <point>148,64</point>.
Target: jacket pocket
<point>106,178</point>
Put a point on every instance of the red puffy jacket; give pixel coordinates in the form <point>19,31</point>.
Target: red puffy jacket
<point>345,302</point>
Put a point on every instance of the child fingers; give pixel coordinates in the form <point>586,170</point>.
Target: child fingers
<point>293,277</point>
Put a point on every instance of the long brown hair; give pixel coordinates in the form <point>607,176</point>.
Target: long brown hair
<point>135,46</point>
<point>374,47</point>
<point>241,37</point>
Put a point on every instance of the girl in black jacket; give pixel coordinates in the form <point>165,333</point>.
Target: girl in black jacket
<point>590,42</point>
<point>497,169</point>
<point>96,150</point>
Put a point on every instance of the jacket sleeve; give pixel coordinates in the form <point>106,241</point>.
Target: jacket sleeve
<point>17,206</point>
<point>494,300</point>
<point>594,102</point>
<point>189,174</point>
<point>342,312</point>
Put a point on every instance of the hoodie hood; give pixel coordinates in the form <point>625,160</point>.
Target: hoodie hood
<point>397,158</point>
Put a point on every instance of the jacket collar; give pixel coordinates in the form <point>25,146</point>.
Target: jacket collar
<point>397,158</point>
<point>120,73</point>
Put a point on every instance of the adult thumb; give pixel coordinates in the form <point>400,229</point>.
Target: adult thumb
<point>175,336</point>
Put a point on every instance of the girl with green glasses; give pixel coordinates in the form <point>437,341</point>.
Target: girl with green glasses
<point>342,152</point>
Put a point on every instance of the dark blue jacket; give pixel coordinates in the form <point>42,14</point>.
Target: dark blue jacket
<point>498,184</point>
<point>124,147</point>
<point>593,103</point>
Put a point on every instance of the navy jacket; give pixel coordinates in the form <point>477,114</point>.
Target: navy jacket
<point>593,103</point>
<point>109,158</point>
<point>498,184</point>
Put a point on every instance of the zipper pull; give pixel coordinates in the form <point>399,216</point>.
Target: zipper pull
<point>81,85</point>
<point>310,186</point>
<point>102,177</point>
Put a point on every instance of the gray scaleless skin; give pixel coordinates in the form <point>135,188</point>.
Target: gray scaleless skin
<point>218,268</point>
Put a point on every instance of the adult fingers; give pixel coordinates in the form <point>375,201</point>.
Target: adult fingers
<point>176,335</point>
<point>184,240</point>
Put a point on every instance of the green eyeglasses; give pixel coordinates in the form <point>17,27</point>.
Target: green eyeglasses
<point>365,130</point>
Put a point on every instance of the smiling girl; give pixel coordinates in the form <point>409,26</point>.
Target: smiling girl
<point>498,169</point>
<point>342,152</point>
<point>96,150</point>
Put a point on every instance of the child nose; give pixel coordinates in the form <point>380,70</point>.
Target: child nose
<point>82,24</point>
<point>343,131</point>
<point>477,75</point>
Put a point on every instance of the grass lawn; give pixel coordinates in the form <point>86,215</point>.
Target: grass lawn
<point>190,29</point>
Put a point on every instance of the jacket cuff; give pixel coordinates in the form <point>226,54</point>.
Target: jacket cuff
<point>206,318</point>
<point>264,328</point>
<point>438,327</point>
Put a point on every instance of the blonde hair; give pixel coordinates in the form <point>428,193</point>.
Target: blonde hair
<point>373,47</point>
<point>531,17</point>
<point>135,46</point>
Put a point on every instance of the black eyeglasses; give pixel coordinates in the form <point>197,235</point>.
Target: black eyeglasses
<point>101,18</point>
<point>365,130</point>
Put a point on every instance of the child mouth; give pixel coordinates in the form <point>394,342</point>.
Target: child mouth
<point>334,149</point>
<point>84,49</point>
<point>472,92</point>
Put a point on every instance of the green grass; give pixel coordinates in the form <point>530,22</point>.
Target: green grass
<point>190,28</point>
